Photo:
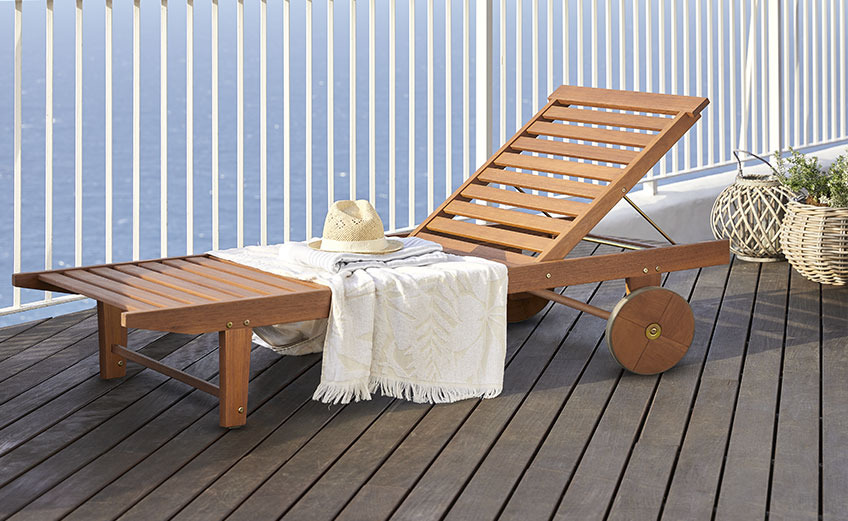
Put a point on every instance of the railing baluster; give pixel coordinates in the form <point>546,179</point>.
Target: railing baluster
<point>240,123</point>
<point>263,122</point>
<point>502,69</point>
<point>215,188</point>
<point>519,75</point>
<point>833,102</point>
<point>431,109</point>
<point>448,101</point>
<point>466,72</point>
<point>330,128</point>
<point>608,44</point>
<point>287,119</point>
<point>163,128</point>
<point>372,102</point>
<point>16,190</point>
<point>351,100</point>
<point>411,69</point>
<point>308,125</point>
<point>48,139</point>
<point>107,130</point>
<point>78,134</point>
<point>136,142</point>
<point>392,113</point>
<point>190,126</point>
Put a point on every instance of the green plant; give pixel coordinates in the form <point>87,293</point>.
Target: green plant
<point>838,182</point>
<point>803,175</point>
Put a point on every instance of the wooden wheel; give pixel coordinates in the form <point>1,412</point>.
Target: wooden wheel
<point>522,306</point>
<point>650,330</point>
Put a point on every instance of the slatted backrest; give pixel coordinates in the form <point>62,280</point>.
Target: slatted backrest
<point>590,145</point>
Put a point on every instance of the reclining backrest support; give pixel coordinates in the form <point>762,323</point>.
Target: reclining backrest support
<point>590,145</point>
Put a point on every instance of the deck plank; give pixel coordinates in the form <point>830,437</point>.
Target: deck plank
<point>454,425</point>
<point>75,455</point>
<point>834,406</point>
<point>572,433</point>
<point>505,465</point>
<point>56,335</point>
<point>167,442</point>
<point>643,485</point>
<point>8,349</point>
<point>595,482</point>
<point>795,485</point>
<point>694,484</point>
<point>745,480</point>
<point>433,494</point>
<point>60,395</point>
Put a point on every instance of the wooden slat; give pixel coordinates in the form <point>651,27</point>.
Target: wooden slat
<point>223,276</point>
<point>542,183</point>
<point>167,370</point>
<point>794,485</point>
<point>600,135</point>
<point>559,166</point>
<point>618,188</point>
<point>489,233</point>
<point>561,148</point>
<point>135,293</point>
<point>166,291</point>
<point>745,483</point>
<point>203,282</point>
<point>252,274</point>
<point>575,150</point>
<point>655,453</point>
<point>492,214</point>
<point>581,270</point>
<point>214,316</point>
<point>524,200</point>
<point>460,247</point>
<point>610,119</point>
<point>696,476</point>
<point>174,282</point>
<point>629,100</point>
<point>95,292</point>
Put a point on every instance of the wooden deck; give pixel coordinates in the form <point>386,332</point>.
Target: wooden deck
<point>752,424</point>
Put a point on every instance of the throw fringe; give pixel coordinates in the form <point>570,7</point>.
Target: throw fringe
<point>335,393</point>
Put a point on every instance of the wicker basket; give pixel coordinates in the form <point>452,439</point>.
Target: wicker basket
<point>815,242</point>
<point>749,213</point>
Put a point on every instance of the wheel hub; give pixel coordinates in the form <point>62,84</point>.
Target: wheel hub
<point>653,331</point>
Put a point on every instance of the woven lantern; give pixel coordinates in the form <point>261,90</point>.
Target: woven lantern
<point>749,213</point>
<point>815,242</point>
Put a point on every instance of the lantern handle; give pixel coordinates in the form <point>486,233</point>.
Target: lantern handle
<point>739,160</point>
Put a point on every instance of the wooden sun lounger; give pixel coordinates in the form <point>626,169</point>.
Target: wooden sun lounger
<point>648,331</point>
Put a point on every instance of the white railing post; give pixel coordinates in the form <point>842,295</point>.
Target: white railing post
<point>775,76</point>
<point>483,82</point>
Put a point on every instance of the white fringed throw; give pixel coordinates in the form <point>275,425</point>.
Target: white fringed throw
<point>417,324</point>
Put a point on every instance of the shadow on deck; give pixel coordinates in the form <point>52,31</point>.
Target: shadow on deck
<point>753,421</point>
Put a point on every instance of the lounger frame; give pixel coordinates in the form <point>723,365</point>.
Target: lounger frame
<point>202,294</point>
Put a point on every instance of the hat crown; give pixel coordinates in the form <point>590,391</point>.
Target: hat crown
<point>353,221</point>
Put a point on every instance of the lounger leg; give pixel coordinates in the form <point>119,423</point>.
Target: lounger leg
<point>110,332</point>
<point>634,283</point>
<point>234,360</point>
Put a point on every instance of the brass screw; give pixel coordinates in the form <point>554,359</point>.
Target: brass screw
<point>657,268</point>
<point>624,190</point>
<point>241,410</point>
<point>547,275</point>
<point>120,363</point>
<point>247,322</point>
<point>644,270</point>
<point>229,325</point>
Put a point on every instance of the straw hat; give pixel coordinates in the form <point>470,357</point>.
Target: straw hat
<point>354,227</point>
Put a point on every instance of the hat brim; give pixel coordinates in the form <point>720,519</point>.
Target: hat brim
<point>393,246</point>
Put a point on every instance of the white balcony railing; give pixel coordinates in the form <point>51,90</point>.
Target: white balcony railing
<point>143,129</point>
